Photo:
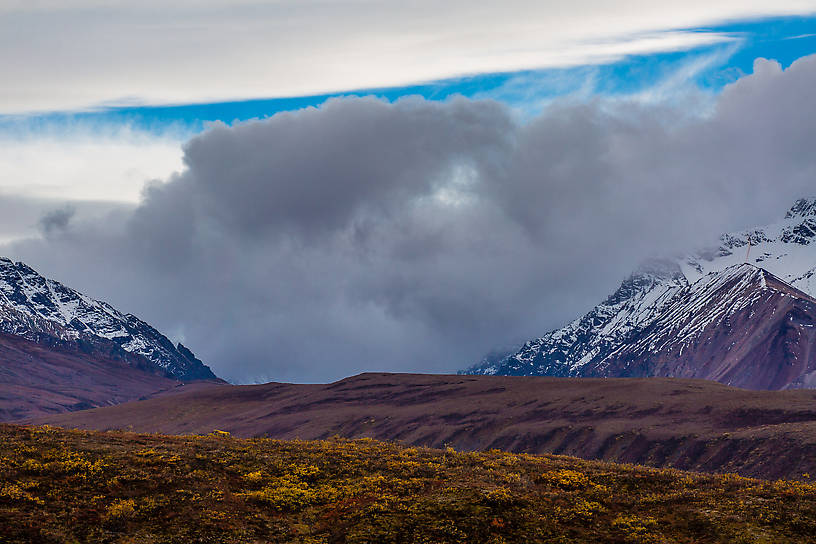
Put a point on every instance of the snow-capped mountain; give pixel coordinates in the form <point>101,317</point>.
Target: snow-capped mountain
<point>45,311</point>
<point>662,317</point>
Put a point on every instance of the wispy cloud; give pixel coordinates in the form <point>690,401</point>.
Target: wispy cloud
<point>681,80</point>
<point>654,79</point>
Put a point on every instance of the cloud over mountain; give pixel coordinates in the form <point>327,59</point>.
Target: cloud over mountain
<point>416,235</point>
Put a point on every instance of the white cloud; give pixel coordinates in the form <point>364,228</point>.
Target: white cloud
<point>85,163</point>
<point>67,55</point>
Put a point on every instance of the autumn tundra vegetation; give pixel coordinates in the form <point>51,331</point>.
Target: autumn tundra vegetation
<point>84,486</point>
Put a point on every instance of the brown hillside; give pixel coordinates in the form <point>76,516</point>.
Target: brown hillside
<point>38,379</point>
<point>689,424</point>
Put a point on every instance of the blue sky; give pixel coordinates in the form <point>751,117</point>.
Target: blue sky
<point>707,68</point>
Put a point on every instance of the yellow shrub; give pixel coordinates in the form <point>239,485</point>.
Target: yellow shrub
<point>254,477</point>
<point>583,510</point>
<point>284,497</point>
<point>566,479</point>
<point>121,510</point>
<point>14,492</point>
<point>33,467</point>
<point>499,497</point>
<point>637,529</point>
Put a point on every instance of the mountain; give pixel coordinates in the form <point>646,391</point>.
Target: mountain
<point>44,310</point>
<point>61,350</point>
<point>688,424</point>
<point>707,315</point>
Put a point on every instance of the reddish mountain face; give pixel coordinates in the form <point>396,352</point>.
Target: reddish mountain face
<point>742,327</point>
<point>38,378</point>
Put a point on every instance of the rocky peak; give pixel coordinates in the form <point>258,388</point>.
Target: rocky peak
<point>804,207</point>
<point>648,275</point>
<point>667,269</point>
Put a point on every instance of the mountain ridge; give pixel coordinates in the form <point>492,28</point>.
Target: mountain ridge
<point>784,249</point>
<point>44,310</point>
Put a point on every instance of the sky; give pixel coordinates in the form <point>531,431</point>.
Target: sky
<point>302,191</point>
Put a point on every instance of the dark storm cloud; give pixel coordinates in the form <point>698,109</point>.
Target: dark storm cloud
<point>416,236</point>
<point>22,216</point>
<point>56,219</point>
<point>315,171</point>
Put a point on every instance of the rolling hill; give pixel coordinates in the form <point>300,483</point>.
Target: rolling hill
<point>688,424</point>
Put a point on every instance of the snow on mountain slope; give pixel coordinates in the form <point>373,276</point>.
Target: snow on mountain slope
<point>34,307</point>
<point>786,249</point>
<point>558,353</point>
<point>741,326</point>
<point>662,294</point>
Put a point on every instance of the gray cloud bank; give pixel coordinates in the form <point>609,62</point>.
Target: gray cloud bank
<point>416,236</point>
